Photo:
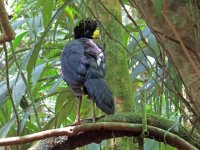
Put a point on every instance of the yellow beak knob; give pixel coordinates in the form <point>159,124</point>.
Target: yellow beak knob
<point>95,34</point>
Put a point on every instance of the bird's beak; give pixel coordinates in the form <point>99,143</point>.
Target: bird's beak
<point>95,34</point>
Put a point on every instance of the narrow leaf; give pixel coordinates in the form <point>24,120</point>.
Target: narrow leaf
<point>32,61</point>
<point>4,90</point>
<point>37,72</point>
<point>18,39</point>
<point>18,91</point>
<point>47,12</point>
<point>52,89</point>
<point>23,122</point>
<point>24,62</point>
<point>158,7</point>
<point>6,128</point>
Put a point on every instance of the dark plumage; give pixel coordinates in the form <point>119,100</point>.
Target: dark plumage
<point>83,68</point>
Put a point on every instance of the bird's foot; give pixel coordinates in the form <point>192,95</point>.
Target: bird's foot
<point>93,119</point>
<point>97,118</point>
<point>76,123</point>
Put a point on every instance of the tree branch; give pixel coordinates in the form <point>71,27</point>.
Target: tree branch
<point>69,143</point>
<point>116,125</point>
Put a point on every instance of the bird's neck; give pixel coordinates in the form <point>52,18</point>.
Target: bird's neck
<point>91,47</point>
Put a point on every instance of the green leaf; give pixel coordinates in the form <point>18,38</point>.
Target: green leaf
<point>5,112</point>
<point>75,12</point>
<point>148,85</point>
<point>34,55</point>
<point>18,39</point>
<point>18,23</point>
<point>33,128</point>
<point>23,122</point>
<point>47,10</point>
<point>50,124</point>
<point>93,146</point>
<point>158,7</point>
<point>36,23</point>
<point>33,58</point>
<point>4,90</point>
<point>18,91</point>
<point>132,45</point>
<point>24,62</point>
<point>37,72</point>
<point>69,12</point>
<point>6,128</point>
<point>64,105</point>
<point>138,70</point>
<point>57,82</point>
<point>154,45</point>
<point>3,94</point>
<point>150,144</point>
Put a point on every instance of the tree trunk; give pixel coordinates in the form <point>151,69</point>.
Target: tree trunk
<point>117,73</point>
<point>108,12</point>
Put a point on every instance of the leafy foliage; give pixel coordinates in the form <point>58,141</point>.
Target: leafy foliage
<point>40,96</point>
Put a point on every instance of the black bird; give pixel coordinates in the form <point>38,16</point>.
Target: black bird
<point>83,68</point>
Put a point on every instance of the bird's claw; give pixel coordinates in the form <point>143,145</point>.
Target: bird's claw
<point>76,123</point>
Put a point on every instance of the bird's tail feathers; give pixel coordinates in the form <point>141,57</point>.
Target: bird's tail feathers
<point>101,94</point>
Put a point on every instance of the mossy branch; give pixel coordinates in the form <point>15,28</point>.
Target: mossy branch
<point>118,125</point>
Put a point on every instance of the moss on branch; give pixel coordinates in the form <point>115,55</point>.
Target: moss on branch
<point>120,125</point>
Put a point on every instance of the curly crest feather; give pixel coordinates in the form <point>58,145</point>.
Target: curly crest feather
<point>85,29</point>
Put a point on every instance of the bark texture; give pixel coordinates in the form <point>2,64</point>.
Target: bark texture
<point>120,125</point>
<point>8,34</point>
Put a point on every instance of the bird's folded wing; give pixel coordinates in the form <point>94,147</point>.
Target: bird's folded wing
<point>77,63</point>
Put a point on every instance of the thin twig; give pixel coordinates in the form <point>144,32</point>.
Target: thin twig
<point>27,86</point>
<point>10,92</point>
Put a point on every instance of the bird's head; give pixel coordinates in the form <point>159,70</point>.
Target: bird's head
<point>86,28</point>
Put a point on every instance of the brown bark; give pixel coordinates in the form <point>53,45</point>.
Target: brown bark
<point>70,143</point>
<point>119,125</point>
<point>8,34</point>
<point>178,30</point>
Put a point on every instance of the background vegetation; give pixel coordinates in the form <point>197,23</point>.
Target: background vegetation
<point>37,98</point>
